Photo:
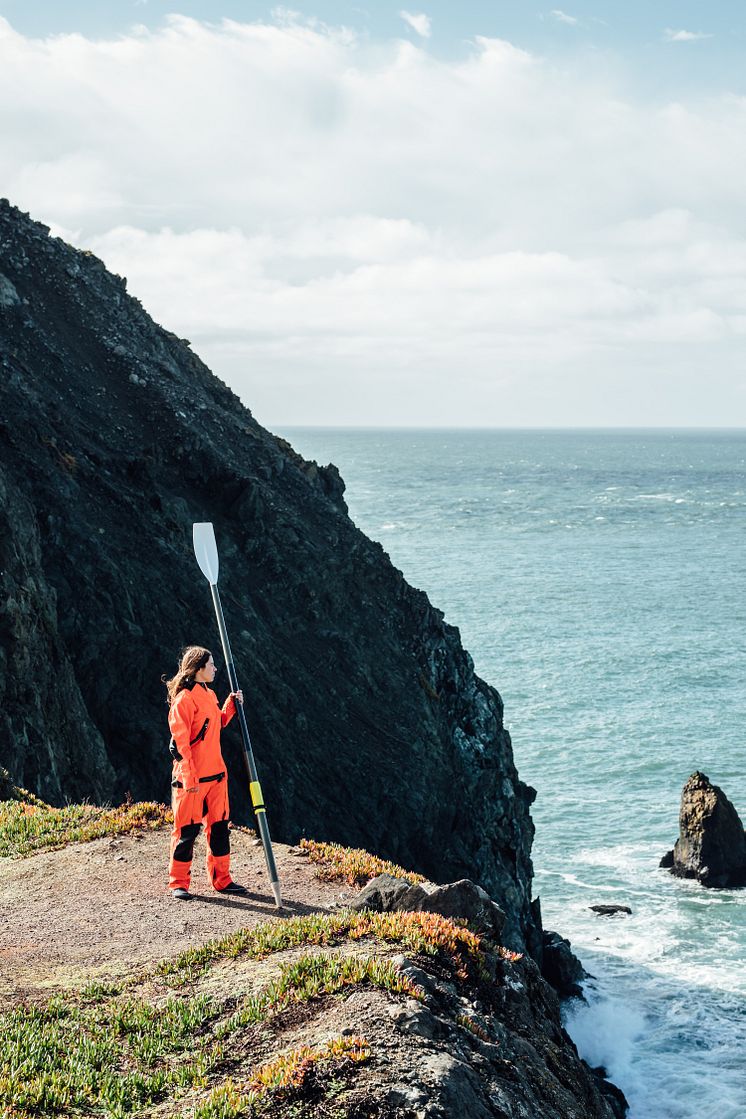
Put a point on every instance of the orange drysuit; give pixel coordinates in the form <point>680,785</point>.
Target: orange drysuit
<point>195,720</point>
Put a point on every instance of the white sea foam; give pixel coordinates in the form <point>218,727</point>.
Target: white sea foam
<point>606,1032</point>
<point>664,1045</point>
<point>573,880</point>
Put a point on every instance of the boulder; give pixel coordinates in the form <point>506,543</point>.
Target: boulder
<point>381,894</point>
<point>611,910</point>
<point>464,899</point>
<point>712,845</point>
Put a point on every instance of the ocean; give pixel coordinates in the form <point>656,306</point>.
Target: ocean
<point>598,579</point>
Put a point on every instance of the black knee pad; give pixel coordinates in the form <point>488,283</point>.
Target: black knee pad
<point>185,847</point>
<point>220,843</point>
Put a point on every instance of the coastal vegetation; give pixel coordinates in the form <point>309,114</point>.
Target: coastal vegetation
<point>29,825</point>
<point>353,865</point>
<point>179,1030</point>
<point>313,1013</point>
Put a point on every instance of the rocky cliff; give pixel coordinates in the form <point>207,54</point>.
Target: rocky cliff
<point>369,724</point>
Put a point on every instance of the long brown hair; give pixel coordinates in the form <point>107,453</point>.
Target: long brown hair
<point>193,658</point>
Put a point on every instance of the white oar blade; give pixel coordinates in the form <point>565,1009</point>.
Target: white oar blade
<point>206,550</point>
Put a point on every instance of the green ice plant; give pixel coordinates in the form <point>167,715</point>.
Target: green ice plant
<point>428,933</point>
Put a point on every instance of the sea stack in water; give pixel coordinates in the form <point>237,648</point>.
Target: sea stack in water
<point>712,845</point>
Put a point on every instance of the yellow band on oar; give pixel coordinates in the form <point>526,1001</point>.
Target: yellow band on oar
<point>256,795</point>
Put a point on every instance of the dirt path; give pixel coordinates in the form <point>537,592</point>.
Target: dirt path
<point>96,910</point>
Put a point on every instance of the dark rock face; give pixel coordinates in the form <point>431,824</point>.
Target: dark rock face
<point>519,1060</point>
<point>561,967</point>
<point>711,846</point>
<point>615,1097</point>
<point>611,910</point>
<point>368,722</point>
<point>8,790</point>
<point>386,894</point>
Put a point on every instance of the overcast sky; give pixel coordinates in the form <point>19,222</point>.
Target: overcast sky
<point>478,214</point>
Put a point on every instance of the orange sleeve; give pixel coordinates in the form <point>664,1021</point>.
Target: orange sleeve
<point>180,721</point>
<point>227,711</point>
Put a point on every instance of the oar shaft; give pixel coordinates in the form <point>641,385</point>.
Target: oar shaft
<point>255,788</point>
<point>224,637</point>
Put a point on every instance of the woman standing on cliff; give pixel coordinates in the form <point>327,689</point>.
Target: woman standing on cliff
<point>200,778</point>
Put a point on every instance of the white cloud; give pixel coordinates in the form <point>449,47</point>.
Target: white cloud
<point>563,17</point>
<point>670,35</point>
<point>356,231</point>
<point>419,22</point>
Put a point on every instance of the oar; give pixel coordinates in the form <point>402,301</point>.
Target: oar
<point>206,551</point>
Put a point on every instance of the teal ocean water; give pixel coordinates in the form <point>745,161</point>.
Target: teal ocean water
<point>598,580</point>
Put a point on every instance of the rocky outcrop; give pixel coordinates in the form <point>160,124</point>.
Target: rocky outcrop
<point>464,899</point>
<point>488,1054</point>
<point>561,967</point>
<point>449,1026</point>
<point>369,724</point>
<point>526,1058</point>
<point>711,846</point>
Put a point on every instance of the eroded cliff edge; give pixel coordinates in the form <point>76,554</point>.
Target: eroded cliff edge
<point>368,722</point>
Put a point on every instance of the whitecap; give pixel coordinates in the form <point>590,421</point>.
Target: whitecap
<point>573,880</point>
<point>606,1032</point>
<point>674,1053</point>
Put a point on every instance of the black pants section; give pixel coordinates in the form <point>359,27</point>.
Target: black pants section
<point>184,849</point>
<point>220,841</point>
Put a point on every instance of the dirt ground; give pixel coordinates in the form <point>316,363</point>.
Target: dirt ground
<point>96,910</point>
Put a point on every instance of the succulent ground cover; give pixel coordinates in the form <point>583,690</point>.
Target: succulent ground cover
<point>114,1055</point>
<point>428,933</point>
<point>204,1032</point>
<point>231,1010</point>
<point>290,1074</point>
<point>30,825</point>
<point>172,1034</point>
<point>352,865</point>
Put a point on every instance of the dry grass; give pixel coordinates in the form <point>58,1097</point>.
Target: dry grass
<point>28,826</point>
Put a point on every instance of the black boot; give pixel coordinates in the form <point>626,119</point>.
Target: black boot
<point>182,894</point>
<point>234,888</point>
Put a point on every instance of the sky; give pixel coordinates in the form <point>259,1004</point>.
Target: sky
<point>483,214</point>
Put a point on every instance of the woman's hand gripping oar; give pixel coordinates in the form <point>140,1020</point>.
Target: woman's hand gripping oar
<point>206,551</point>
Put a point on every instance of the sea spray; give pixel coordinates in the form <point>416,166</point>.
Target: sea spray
<point>606,1031</point>
<point>677,1051</point>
